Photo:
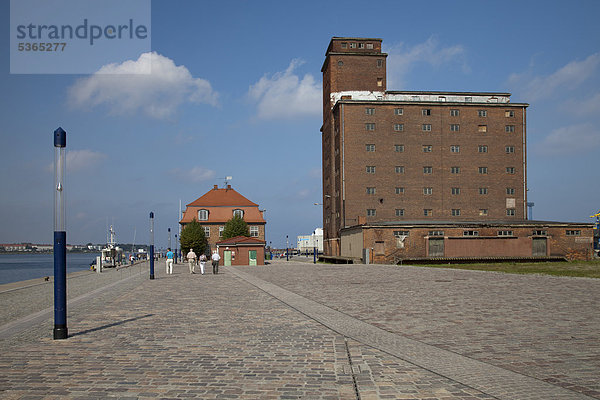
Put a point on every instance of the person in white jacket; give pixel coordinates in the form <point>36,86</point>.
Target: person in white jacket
<point>191,258</point>
<point>215,262</point>
<point>202,262</point>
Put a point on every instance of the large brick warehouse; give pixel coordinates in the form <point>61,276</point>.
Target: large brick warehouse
<point>426,174</point>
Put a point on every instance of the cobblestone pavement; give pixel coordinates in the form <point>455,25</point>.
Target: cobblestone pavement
<point>225,336</point>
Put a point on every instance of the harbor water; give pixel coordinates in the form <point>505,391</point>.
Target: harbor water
<point>20,267</point>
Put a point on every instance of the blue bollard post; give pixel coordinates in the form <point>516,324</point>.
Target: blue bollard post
<point>151,245</point>
<point>60,237</point>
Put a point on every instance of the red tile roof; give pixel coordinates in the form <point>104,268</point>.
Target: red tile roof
<point>222,197</point>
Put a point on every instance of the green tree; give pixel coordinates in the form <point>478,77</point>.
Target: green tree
<point>236,226</point>
<point>193,237</point>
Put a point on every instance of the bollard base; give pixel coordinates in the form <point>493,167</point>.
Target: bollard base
<point>60,332</point>
<point>151,276</point>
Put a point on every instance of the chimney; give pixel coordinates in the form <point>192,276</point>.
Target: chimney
<point>215,187</point>
<point>228,187</point>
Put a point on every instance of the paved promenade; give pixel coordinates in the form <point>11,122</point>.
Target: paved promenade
<point>293,330</point>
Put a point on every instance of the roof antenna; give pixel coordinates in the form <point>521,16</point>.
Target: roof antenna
<point>227,179</point>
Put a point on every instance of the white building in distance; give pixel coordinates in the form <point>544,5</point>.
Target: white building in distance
<point>307,243</point>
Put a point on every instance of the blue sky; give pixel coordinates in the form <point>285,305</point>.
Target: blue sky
<point>237,92</point>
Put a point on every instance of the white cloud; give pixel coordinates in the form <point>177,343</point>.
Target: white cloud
<point>589,106</point>
<point>77,160</point>
<point>193,175</point>
<point>568,77</point>
<point>401,59</point>
<point>152,84</point>
<point>574,139</point>
<point>285,95</point>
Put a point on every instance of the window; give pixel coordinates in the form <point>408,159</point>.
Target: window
<point>398,111</point>
<point>510,170</point>
<point>505,233</point>
<point>221,229</point>
<point>398,127</point>
<point>427,148</point>
<point>370,46</point>
<point>483,212</point>
<point>427,170</point>
<point>573,233</point>
<point>509,149</point>
<point>483,170</point>
<point>380,82</point>
<point>455,170</point>
<point>510,212</point>
<point>539,233</point>
<point>399,147</point>
<point>379,63</point>
<point>370,126</point>
<point>401,233</point>
<point>483,148</point>
<point>370,169</point>
<point>428,212</point>
<point>352,45</point>
<point>509,114</point>
<point>426,127</point>
<point>399,190</point>
<point>202,215</point>
<point>426,111</point>
<point>371,212</point>
<point>509,128</point>
<point>254,231</point>
<point>238,213</point>
<point>370,147</point>
<point>344,45</point>
<point>436,233</point>
<point>510,191</point>
<point>427,191</point>
<point>361,45</point>
<point>482,113</point>
<point>483,190</point>
<point>482,128</point>
<point>455,212</point>
<point>455,149</point>
<point>206,231</point>
<point>369,111</point>
<point>399,169</point>
<point>470,233</point>
<point>371,190</point>
<point>399,212</point>
<point>454,113</point>
<point>454,127</point>
<point>455,190</point>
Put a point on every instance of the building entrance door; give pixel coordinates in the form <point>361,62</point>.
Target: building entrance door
<point>539,247</point>
<point>436,247</point>
<point>252,257</point>
<point>227,257</point>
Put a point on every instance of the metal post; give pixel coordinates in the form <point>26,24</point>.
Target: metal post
<point>60,237</point>
<point>315,249</point>
<point>176,253</point>
<point>287,249</point>
<point>169,230</point>
<point>151,245</point>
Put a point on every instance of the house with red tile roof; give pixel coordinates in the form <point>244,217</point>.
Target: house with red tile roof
<point>218,206</point>
<point>241,250</point>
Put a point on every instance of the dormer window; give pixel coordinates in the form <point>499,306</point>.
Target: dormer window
<point>238,213</point>
<point>202,215</point>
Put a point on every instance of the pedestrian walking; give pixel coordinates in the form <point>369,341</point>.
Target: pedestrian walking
<point>202,262</point>
<point>191,258</point>
<point>215,262</point>
<point>170,257</point>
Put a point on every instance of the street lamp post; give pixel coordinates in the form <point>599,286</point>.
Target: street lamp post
<point>60,237</point>
<point>315,250</point>
<point>287,249</point>
<point>169,230</point>
<point>176,249</point>
<point>151,245</point>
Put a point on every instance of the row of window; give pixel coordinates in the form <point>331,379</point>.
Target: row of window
<point>429,190</point>
<point>357,45</point>
<point>428,212</point>
<point>428,170</point>
<point>253,231</point>
<point>203,214</point>
<point>371,126</point>
<point>427,148</point>
<point>453,113</point>
<point>536,232</point>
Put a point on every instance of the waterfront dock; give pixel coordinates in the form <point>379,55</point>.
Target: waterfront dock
<point>295,330</point>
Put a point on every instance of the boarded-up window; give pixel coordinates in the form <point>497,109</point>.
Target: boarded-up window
<point>379,248</point>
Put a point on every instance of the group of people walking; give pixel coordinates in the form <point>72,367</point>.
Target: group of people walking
<point>194,260</point>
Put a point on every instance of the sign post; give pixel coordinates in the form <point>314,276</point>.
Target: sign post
<point>60,237</point>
